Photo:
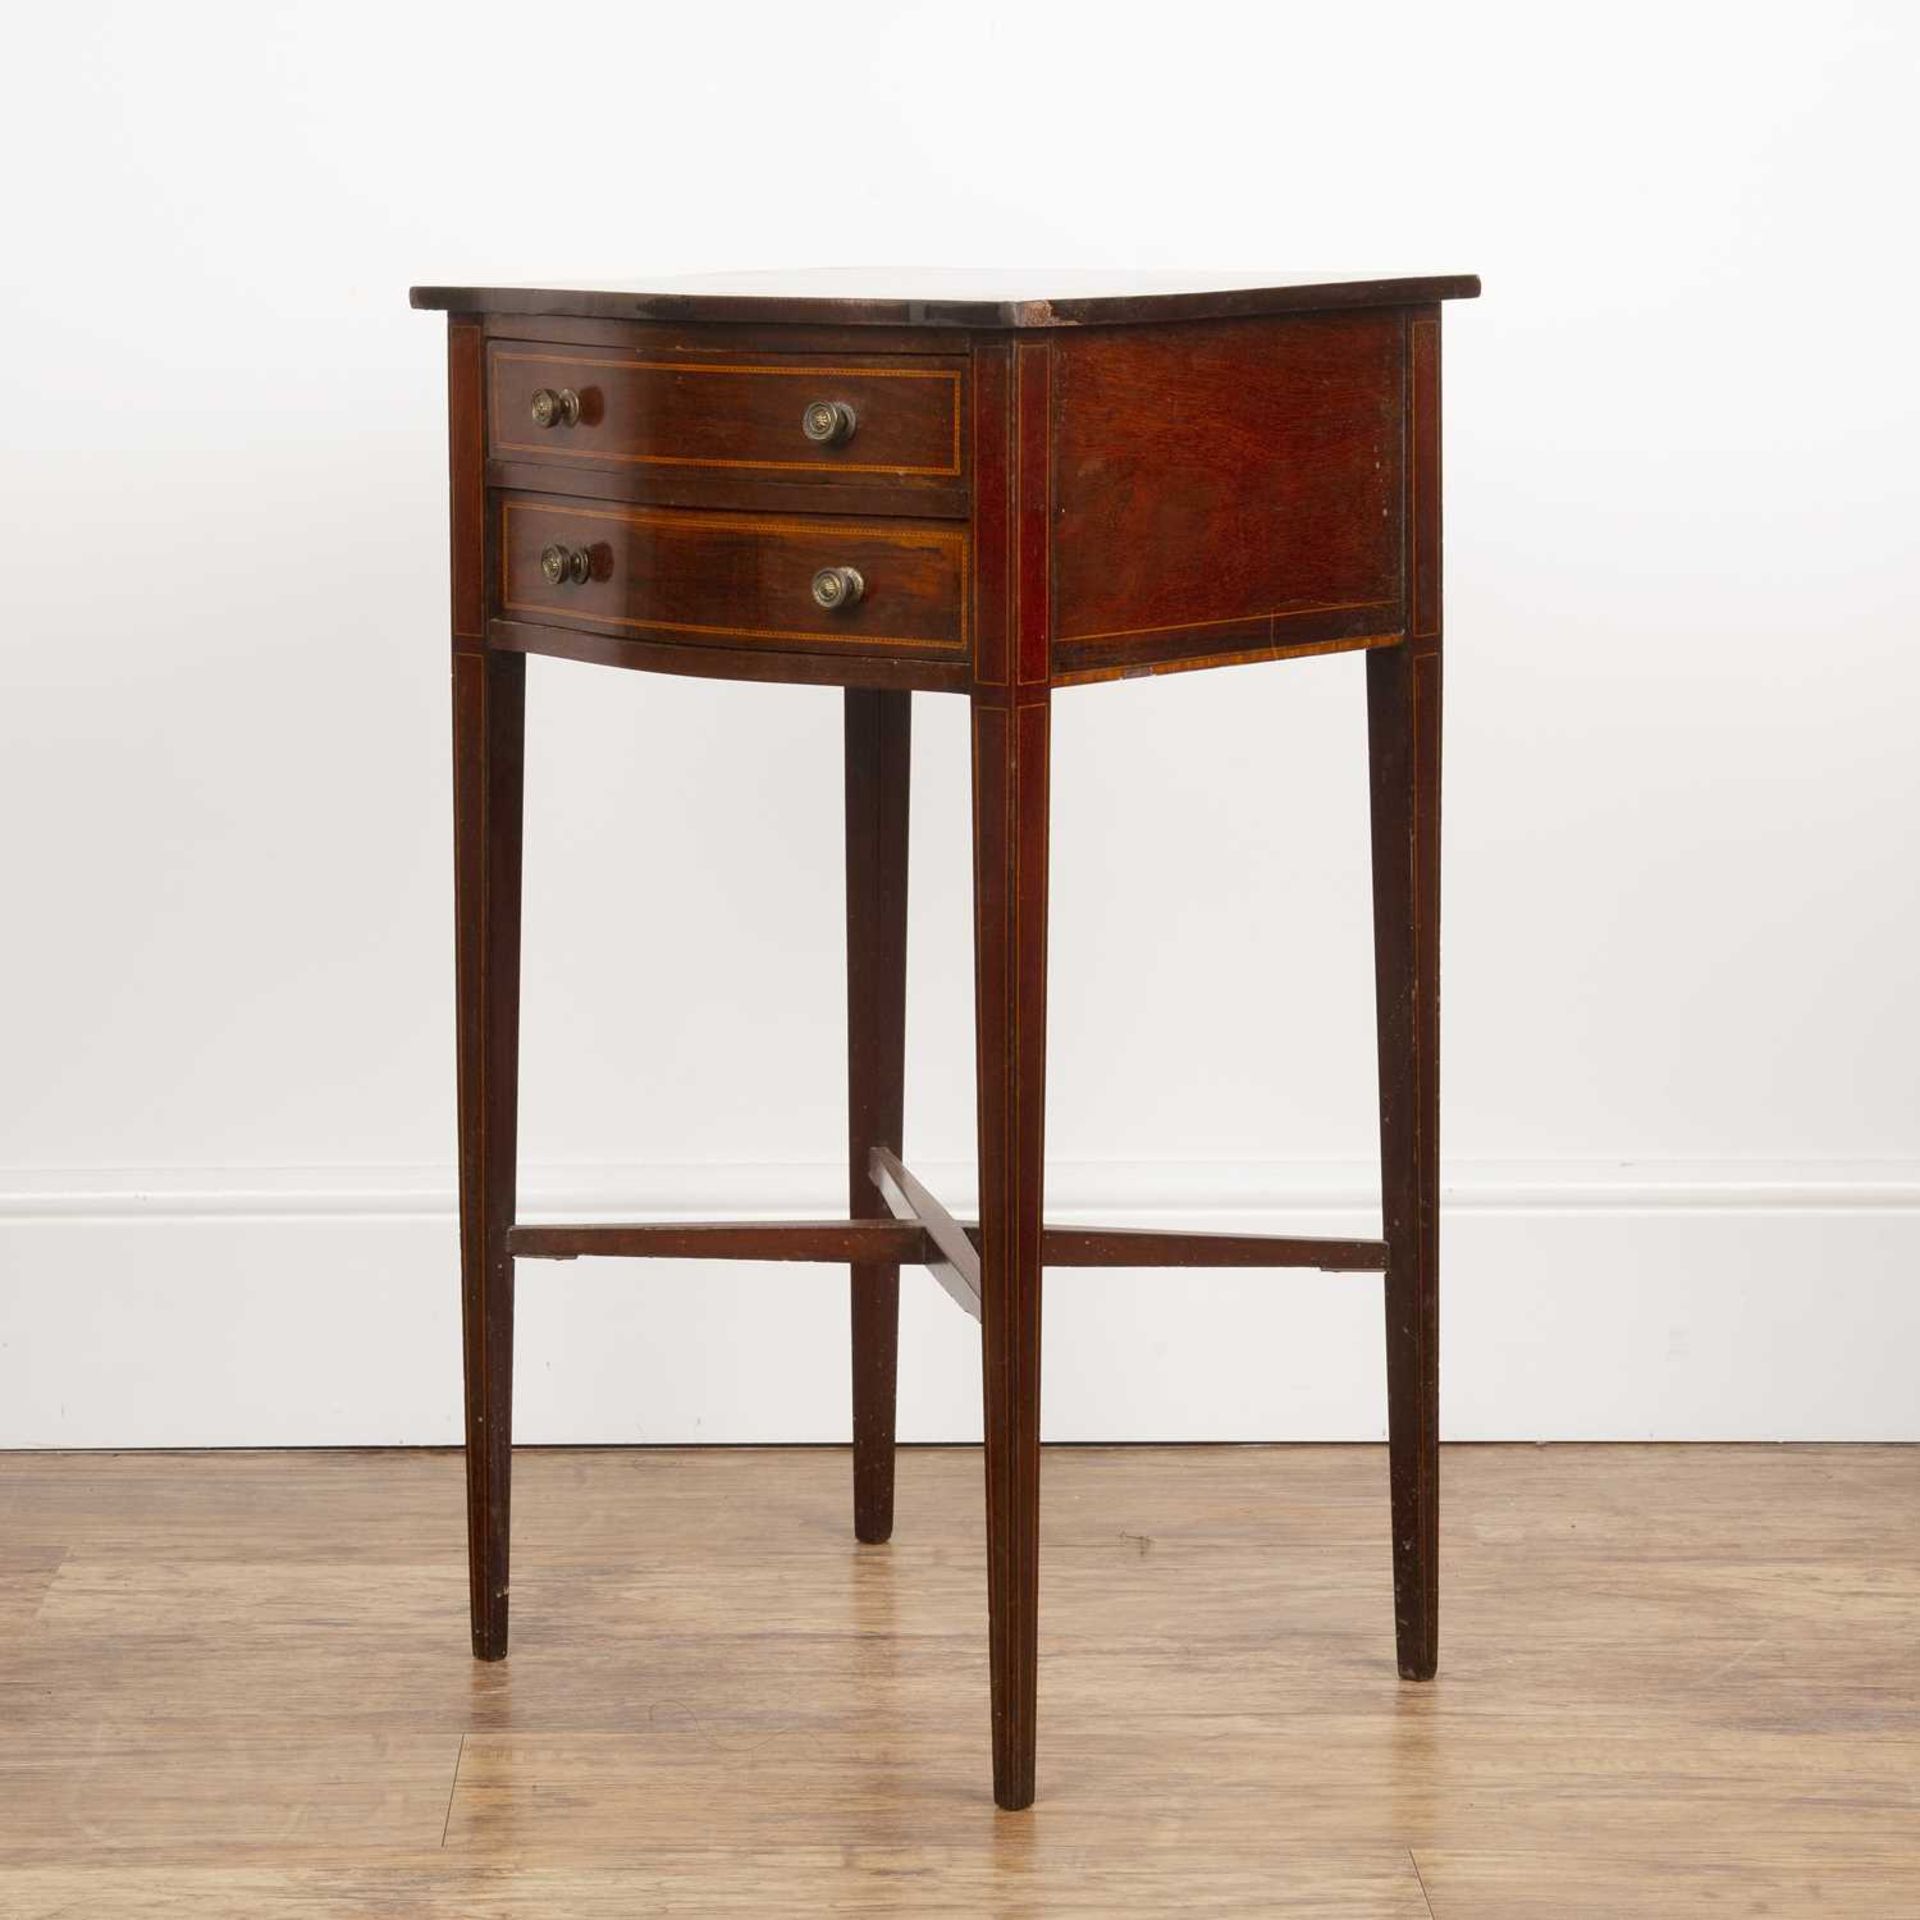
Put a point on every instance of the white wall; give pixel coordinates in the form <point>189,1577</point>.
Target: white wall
<point>1682,920</point>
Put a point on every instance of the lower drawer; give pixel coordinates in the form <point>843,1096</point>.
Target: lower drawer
<point>734,579</point>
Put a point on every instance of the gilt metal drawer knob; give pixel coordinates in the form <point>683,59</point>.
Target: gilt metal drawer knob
<point>566,566</point>
<point>828,423</point>
<point>555,407</point>
<point>838,587</point>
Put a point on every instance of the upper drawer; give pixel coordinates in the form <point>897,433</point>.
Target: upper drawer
<point>790,414</point>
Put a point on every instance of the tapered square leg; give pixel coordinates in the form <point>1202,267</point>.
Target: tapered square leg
<point>489,705</point>
<point>1010,754</point>
<point>879,758</point>
<point>1403,715</point>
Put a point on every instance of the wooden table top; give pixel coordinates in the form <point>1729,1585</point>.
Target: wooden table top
<point>956,297</point>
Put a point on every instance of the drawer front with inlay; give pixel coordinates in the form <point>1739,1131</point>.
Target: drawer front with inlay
<point>768,414</point>
<point>735,579</point>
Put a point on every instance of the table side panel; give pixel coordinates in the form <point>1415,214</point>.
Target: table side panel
<point>1227,490</point>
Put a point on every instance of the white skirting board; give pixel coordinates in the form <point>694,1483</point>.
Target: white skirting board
<point>1580,1301</point>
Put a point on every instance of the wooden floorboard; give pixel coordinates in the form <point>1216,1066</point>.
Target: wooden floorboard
<point>1673,1681</point>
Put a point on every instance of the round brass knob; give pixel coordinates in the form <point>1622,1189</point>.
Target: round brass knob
<point>556,407</point>
<point>837,588</point>
<point>828,423</point>
<point>566,566</point>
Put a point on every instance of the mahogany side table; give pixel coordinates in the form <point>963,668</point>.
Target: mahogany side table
<point>980,490</point>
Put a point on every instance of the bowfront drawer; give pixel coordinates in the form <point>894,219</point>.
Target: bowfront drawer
<point>809,416</point>
<point>735,579</point>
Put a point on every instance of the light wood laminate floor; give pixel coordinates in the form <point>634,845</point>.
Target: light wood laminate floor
<point>1672,1681</point>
